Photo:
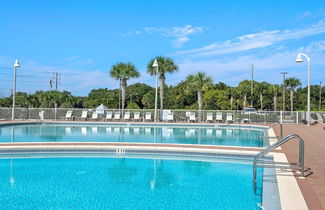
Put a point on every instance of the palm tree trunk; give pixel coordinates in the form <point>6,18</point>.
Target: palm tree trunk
<point>261,99</point>
<point>199,101</point>
<point>123,88</point>
<point>162,83</point>
<point>291,98</point>
<point>245,98</point>
<point>231,102</point>
<point>275,103</point>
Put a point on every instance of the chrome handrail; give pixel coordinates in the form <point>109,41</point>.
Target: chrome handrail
<point>261,154</point>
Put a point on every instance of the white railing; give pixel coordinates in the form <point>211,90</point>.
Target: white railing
<point>239,116</point>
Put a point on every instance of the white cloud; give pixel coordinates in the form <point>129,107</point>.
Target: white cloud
<point>305,14</point>
<point>255,41</point>
<point>180,34</point>
<point>131,33</point>
<point>267,67</point>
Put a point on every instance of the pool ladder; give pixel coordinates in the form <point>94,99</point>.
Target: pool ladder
<point>297,167</point>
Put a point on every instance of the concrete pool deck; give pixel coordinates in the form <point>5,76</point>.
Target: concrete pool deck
<point>312,187</point>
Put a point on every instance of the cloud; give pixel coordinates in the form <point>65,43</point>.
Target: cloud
<point>268,66</point>
<point>180,34</point>
<point>254,41</point>
<point>305,14</point>
<point>131,33</point>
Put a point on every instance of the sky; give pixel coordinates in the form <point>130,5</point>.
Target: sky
<point>82,39</point>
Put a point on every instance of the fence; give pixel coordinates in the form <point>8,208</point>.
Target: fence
<point>239,116</point>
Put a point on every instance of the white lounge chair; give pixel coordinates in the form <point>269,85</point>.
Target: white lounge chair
<point>136,116</point>
<point>245,120</point>
<point>68,115</point>
<point>219,117</point>
<point>209,117</point>
<point>94,116</point>
<point>170,117</point>
<point>229,118</point>
<point>148,116</point>
<point>41,115</point>
<point>117,115</point>
<point>109,116</point>
<point>192,117</point>
<point>83,116</point>
<point>126,116</point>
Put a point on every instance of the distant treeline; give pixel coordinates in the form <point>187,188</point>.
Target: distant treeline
<point>141,96</point>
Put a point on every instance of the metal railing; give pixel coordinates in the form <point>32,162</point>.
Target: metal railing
<point>239,116</point>
<point>298,166</point>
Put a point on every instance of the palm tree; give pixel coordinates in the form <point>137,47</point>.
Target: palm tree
<point>244,89</point>
<point>123,72</point>
<point>275,90</point>
<point>166,65</point>
<point>199,82</point>
<point>292,83</point>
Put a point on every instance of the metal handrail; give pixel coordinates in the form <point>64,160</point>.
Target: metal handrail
<point>261,154</point>
<point>281,128</point>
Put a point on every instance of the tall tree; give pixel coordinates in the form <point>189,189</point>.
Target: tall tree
<point>274,89</point>
<point>166,65</point>
<point>123,72</point>
<point>199,82</point>
<point>293,83</point>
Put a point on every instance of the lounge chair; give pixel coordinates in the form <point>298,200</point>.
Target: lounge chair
<point>126,116</point>
<point>170,117</point>
<point>229,118</point>
<point>41,115</point>
<point>209,117</point>
<point>148,116</point>
<point>136,116</point>
<point>117,115</point>
<point>219,117</point>
<point>94,116</point>
<point>245,120</point>
<point>109,116</point>
<point>83,115</point>
<point>192,117</point>
<point>68,115</point>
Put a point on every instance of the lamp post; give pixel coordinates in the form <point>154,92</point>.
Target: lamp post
<point>320,96</point>
<point>16,65</point>
<point>299,60</point>
<point>284,93</point>
<point>155,65</point>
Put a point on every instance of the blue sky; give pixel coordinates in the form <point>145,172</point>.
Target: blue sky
<point>83,39</point>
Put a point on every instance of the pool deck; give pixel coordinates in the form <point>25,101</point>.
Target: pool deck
<point>312,187</point>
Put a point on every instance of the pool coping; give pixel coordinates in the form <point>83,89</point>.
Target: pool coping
<point>290,193</point>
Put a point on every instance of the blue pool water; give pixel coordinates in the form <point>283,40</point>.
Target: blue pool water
<point>113,183</point>
<point>232,136</point>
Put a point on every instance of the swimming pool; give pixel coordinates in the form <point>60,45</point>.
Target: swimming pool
<point>126,183</point>
<point>179,134</point>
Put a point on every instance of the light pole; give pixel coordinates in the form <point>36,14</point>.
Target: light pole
<point>299,60</point>
<point>16,65</point>
<point>252,82</point>
<point>155,65</point>
<point>284,93</point>
<point>320,96</point>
